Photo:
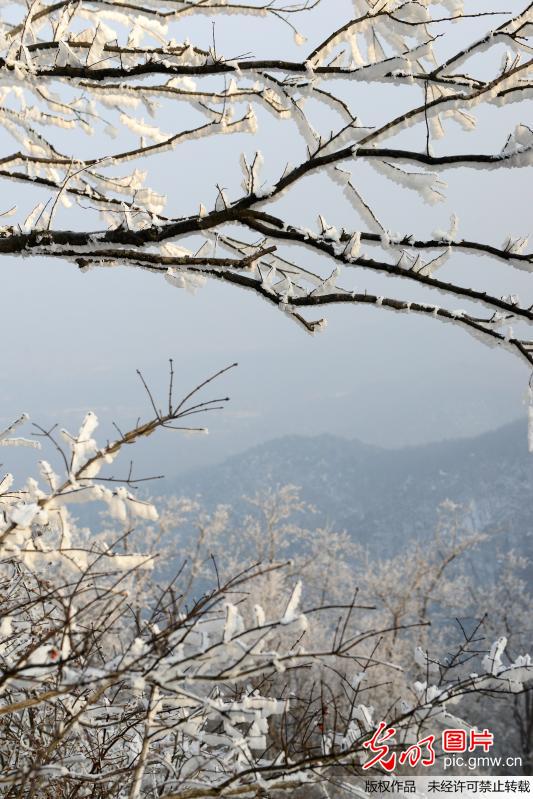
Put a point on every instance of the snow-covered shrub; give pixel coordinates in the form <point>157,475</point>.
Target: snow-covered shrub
<point>113,686</point>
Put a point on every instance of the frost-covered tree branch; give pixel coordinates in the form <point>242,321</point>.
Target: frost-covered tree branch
<point>130,73</point>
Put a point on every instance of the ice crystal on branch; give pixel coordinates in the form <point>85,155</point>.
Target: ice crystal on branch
<point>129,75</point>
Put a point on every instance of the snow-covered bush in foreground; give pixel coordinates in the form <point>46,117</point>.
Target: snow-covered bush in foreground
<point>112,686</point>
<point>441,615</point>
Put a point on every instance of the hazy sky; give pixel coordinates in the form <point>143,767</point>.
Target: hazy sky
<point>73,341</point>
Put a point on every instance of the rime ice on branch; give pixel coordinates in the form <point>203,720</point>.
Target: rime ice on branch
<point>113,686</point>
<point>115,69</point>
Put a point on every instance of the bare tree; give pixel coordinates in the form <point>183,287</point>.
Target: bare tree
<point>101,67</point>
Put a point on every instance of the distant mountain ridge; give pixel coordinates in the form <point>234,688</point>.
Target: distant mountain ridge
<point>384,496</point>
